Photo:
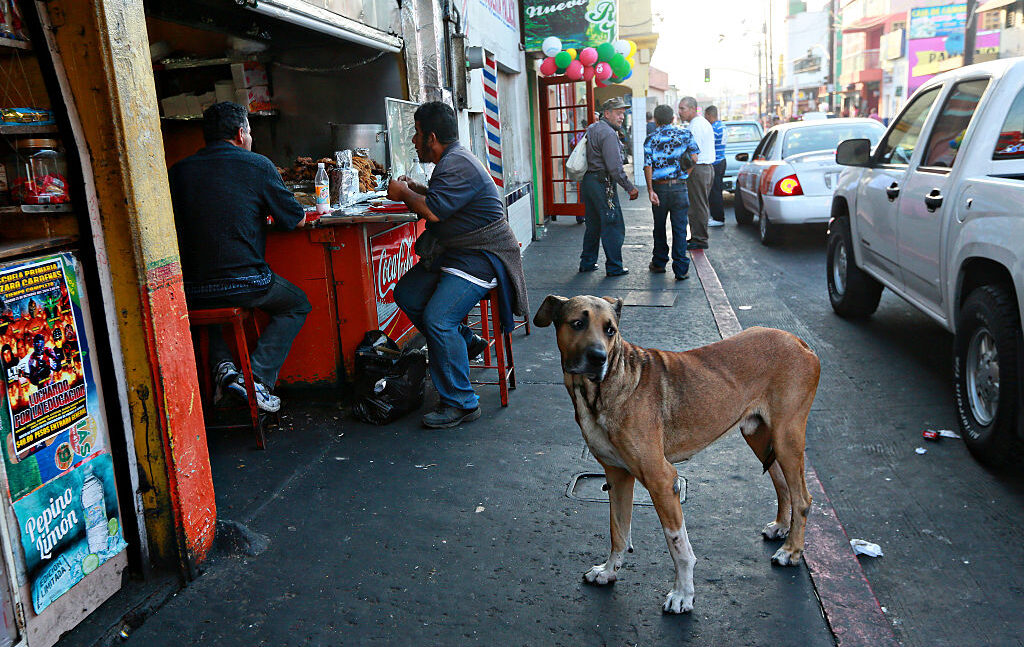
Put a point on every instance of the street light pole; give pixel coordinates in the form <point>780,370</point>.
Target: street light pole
<point>970,31</point>
<point>771,63</point>
<point>831,55</point>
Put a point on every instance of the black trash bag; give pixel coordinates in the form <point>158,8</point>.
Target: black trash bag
<point>388,381</point>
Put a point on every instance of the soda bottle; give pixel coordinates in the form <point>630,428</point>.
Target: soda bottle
<point>95,511</point>
<point>323,190</point>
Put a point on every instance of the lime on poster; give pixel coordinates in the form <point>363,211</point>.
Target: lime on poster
<point>577,23</point>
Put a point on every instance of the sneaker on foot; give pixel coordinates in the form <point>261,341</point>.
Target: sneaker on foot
<point>475,347</point>
<point>445,417</point>
<point>225,377</point>
<point>716,223</point>
<point>265,400</point>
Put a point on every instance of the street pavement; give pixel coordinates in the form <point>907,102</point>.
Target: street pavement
<point>407,536</point>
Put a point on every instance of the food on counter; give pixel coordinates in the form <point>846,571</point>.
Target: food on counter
<point>304,171</point>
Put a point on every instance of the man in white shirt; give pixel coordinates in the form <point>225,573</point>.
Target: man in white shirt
<point>698,184</point>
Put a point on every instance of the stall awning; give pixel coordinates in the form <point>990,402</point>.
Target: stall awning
<point>867,24</point>
<point>304,14</point>
<point>992,5</point>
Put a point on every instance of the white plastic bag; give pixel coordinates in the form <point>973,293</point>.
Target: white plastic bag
<point>576,165</point>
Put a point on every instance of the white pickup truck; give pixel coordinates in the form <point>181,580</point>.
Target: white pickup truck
<point>935,213</point>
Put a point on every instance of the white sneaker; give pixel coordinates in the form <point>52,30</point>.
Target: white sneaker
<point>227,380</point>
<point>716,223</point>
<point>265,400</point>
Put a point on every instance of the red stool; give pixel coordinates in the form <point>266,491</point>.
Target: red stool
<point>490,329</point>
<point>236,319</point>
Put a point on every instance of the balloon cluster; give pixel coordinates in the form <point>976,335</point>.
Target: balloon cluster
<point>606,63</point>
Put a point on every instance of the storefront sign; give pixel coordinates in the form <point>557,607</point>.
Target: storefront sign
<point>936,42</point>
<point>494,25</point>
<point>807,64</point>
<point>44,377</point>
<point>69,527</point>
<point>392,256</point>
<point>577,23</point>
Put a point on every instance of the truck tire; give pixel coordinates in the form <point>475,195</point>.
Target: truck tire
<point>743,215</point>
<point>985,374</point>
<point>768,231</point>
<point>852,293</point>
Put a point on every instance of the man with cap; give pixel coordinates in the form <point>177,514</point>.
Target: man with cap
<point>604,224</point>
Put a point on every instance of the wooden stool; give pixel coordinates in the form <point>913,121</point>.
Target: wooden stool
<point>504,362</point>
<point>236,319</point>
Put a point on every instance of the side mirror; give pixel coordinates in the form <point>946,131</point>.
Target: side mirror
<point>854,152</point>
<point>742,157</point>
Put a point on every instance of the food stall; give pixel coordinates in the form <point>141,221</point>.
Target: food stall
<point>309,96</point>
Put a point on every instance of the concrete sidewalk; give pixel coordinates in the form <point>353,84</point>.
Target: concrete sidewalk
<point>406,536</point>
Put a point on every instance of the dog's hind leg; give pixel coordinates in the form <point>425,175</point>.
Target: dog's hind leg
<point>791,460</point>
<point>779,528</point>
<point>666,502</point>
<point>620,506</point>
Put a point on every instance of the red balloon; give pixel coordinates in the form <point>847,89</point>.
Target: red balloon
<point>548,67</point>
<point>588,73</point>
<point>588,56</point>
<point>602,71</point>
<point>574,71</point>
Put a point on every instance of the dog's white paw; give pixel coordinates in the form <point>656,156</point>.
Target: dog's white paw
<point>600,575</point>
<point>783,557</point>
<point>677,602</point>
<point>775,530</point>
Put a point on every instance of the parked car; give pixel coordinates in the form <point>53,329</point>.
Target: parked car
<point>790,176</point>
<point>934,214</point>
<point>740,137</point>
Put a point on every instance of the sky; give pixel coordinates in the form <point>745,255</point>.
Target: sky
<point>721,35</point>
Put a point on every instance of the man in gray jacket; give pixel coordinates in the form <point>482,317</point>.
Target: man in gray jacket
<point>600,197</point>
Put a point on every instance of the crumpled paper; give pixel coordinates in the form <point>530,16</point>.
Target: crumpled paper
<point>862,547</point>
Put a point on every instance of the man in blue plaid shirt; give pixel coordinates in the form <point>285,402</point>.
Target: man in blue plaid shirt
<point>716,209</point>
<point>669,152</point>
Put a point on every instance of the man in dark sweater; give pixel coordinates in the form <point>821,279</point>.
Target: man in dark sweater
<point>459,199</point>
<point>222,196</point>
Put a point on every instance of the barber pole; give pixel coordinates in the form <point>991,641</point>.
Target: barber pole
<point>492,120</point>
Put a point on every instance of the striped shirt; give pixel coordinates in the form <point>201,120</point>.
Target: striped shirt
<point>663,149</point>
<point>719,128</point>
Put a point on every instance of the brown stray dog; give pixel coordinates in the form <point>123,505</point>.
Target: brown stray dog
<point>641,410</point>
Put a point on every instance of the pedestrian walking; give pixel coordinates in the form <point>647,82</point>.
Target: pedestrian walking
<point>651,125</point>
<point>716,207</point>
<point>604,224</point>
<point>668,153</point>
<point>699,182</point>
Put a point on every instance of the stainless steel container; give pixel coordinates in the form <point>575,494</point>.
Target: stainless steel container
<point>353,136</point>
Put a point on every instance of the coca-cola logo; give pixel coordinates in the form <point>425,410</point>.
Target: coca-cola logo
<point>392,265</point>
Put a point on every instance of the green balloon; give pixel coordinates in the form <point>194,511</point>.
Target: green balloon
<point>619,64</point>
<point>605,52</point>
<point>562,60</point>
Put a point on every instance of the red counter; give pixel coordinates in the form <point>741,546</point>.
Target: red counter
<point>348,268</point>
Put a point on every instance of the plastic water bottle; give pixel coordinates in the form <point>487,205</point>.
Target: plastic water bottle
<point>323,190</point>
<point>95,512</point>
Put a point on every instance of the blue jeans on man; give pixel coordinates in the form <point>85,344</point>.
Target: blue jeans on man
<point>674,204</point>
<point>604,223</point>
<point>437,303</point>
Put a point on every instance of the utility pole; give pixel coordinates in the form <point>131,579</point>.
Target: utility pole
<point>831,77</point>
<point>970,32</point>
<point>771,63</point>
<point>760,84</point>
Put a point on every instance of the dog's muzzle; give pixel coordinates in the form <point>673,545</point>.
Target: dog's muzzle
<point>593,362</point>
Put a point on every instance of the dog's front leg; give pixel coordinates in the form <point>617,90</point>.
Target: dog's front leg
<point>670,512</point>
<point>620,505</point>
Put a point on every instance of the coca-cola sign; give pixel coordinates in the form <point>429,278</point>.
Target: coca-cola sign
<point>392,255</point>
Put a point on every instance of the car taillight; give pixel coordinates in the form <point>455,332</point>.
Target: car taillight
<point>787,186</point>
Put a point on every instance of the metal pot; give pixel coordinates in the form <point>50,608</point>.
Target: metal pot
<point>353,136</point>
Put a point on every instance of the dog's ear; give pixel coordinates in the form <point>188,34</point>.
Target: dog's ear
<point>549,310</point>
<point>616,303</point>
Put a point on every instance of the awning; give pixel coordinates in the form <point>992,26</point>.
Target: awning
<point>992,5</point>
<point>868,23</point>
<point>327,22</point>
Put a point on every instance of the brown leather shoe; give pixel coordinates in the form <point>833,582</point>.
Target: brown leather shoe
<point>655,269</point>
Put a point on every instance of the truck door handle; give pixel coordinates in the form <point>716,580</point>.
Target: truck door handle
<point>892,191</point>
<point>933,200</point>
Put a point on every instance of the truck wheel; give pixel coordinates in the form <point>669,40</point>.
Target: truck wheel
<point>769,232</point>
<point>743,215</point>
<point>985,374</point>
<point>853,293</point>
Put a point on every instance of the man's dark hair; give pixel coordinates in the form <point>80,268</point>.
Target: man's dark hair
<point>222,121</point>
<point>663,115</point>
<point>437,117</point>
<point>709,112</point>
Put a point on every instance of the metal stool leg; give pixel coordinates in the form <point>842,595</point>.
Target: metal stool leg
<point>250,385</point>
<point>485,332</point>
<point>499,350</point>
<point>511,361</point>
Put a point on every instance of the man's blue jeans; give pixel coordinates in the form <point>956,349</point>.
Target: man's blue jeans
<point>675,203</point>
<point>604,224</point>
<point>436,303</point>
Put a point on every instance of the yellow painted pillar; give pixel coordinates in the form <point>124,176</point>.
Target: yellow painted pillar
<point>102,54</point>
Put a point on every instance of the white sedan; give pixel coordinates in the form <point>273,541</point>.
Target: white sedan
<point>790,176</point>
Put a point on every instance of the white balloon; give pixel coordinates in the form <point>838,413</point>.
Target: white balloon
<point>621,47</point>
<point>552,45</point>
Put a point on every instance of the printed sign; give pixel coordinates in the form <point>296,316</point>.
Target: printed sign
<point>69,527</point>
<point>578,23</point>
<point>494,25</point>
<point>935,42</point>
<point>42,366</point>
<point>392,255</point>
